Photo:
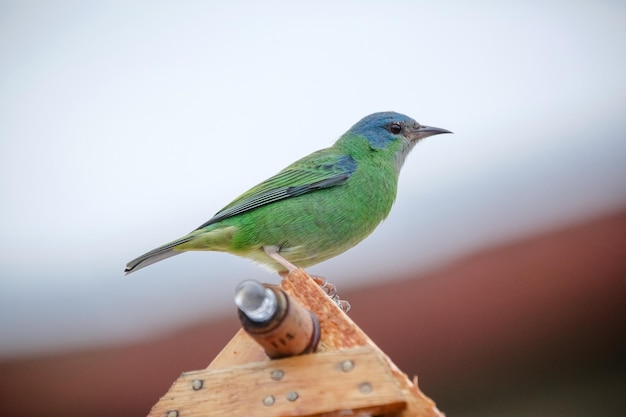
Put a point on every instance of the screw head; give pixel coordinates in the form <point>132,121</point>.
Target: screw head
<point>292,396</point>
<point>268,401</point>
<point>197,384</point>
<point>365,388</point>
<point>277,375</point>
<point>347,365</point>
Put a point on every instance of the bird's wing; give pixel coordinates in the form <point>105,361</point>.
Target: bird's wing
<point>322,169</point>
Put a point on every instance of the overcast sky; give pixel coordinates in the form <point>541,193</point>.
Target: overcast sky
<point>125,124</point>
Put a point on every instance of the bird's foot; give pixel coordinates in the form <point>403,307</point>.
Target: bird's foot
<point>326,286</point>
<point>344,305</point>
<point>331,290</point>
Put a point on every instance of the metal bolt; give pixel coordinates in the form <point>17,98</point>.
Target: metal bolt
<point>292,396</point>
<point>365,388</point>
<point>197,384</point>
<point>268,401</point>
<point>347,365</point>
<point>277,375</point>
<point>172,413</point>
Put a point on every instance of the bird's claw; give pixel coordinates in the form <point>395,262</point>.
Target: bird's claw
<point>328,287</point>
<point>331,290</point>
<point>344,305</point>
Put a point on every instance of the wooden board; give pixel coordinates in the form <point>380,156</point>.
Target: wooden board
<point>309,385</point>
<point>338,332</point>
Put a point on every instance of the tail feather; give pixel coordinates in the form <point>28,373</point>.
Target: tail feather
<point>156,255</point>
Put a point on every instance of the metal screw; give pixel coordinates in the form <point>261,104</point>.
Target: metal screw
<point>268,401</point>
<point>365,388</point>
<point>172,413</point>
<point>197,384</point>
<point>347,365</point>
<point>292,396</point>
<point>277,375</point>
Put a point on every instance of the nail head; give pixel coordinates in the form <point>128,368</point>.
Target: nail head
<point>347,365</point>
<point>277,375</point>
<point>365,388</point>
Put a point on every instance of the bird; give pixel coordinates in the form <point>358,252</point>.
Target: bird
<point>316,208</point>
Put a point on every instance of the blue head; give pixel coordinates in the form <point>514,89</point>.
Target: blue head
<point>386,130</point>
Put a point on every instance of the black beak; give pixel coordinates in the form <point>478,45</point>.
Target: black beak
<point>425,131</point>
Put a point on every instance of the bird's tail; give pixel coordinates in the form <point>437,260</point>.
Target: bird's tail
<point>156,255</point>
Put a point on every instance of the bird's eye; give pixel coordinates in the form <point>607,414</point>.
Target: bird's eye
<point>395,128</point>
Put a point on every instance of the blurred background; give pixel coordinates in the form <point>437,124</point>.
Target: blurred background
<point>498,278</point>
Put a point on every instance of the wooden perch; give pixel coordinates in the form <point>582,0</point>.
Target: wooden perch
<point>348,374</point>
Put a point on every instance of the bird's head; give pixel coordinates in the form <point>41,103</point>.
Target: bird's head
<point>393,132</point>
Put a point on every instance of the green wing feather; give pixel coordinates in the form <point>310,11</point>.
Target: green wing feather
<point>321,169</point>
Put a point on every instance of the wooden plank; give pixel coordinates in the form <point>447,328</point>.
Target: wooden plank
<point>309,385</point>
<point>338,332</point>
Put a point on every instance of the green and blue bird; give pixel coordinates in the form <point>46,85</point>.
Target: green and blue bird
<point>316,208</point>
